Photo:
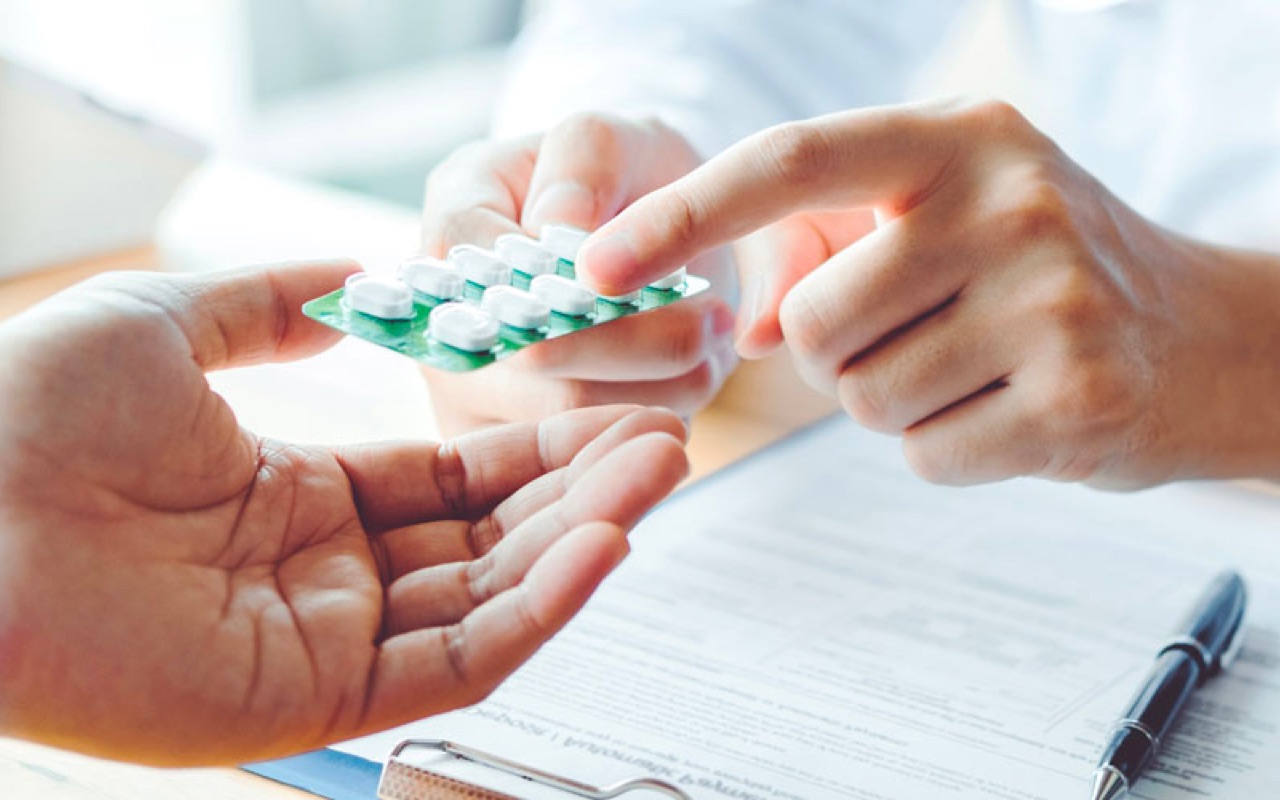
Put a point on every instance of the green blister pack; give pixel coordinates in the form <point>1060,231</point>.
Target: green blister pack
<point>478,307</point>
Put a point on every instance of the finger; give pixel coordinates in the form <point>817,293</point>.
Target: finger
<point>877,157</point>
<point>519,394</point>
<point>659,344</point>
<point>879,285</point>
<point>619,490</point>
<point>989,436</point>
<point>405,550</point>
<point>684,394</point>
<point>477,194</point>
<point>524,504</point>
<point>775,258</point>
<point>396,484</point>
<point>416,547</point>
<point>426,672</point>
<point>252,315</point>
<point>474,225</point>
<point>591,165</point>
<point>935,363</point>
<point>620,487</point>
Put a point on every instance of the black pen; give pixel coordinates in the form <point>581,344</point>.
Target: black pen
<point>1203,647</point>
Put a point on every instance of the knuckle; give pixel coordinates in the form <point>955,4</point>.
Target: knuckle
<point>451,479</point>
<point>1072,466</point>
<point>866,400</point>
<point>1093,396</point>
<point>678,215</point>
<point>944,461</point>
<point>799,152</point>
<point>590,150</point>
<point>533,627</point>
<point>682,342</point>
<point>994,117</point>
<point>804,322</point>
<point>930,462</point>
<point>1077,304</point>
<point>453,641</point>
<point>1090,418</point>
<point>1040,209</point>
<point>476,576</point>
<point>675,145</point>
<point>599,132</point>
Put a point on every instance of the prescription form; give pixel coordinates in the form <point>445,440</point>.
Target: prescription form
<point>818,623</point>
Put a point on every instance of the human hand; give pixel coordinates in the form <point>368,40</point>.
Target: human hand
<point>176,590</point>
<point>579,173</point>
<point>1009,316</point>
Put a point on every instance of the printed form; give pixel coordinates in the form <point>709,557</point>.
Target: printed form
<point>818,623</point>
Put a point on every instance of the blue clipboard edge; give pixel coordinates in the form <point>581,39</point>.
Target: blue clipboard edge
<point>328,773</point>
<point>340,776</point>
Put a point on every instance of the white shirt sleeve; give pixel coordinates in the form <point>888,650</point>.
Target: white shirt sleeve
<point>717,70</point>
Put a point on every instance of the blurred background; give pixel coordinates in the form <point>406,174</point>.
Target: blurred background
<point>360,94</point>
<point>363,94</point>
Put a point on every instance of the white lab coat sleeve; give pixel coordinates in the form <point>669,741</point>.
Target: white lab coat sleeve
<point>717,70</point>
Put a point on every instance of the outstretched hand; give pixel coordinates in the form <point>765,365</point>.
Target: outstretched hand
<point>1008,315</point>
<point>177,590</point>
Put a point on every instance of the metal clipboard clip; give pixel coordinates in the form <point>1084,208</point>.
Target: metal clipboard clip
<point>402,780</point>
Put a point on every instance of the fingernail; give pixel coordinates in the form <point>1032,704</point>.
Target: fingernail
<point>608,263</point>
<point>566,202</point>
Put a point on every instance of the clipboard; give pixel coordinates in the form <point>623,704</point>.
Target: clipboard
<point>407,778</point>
<point>407,775</point>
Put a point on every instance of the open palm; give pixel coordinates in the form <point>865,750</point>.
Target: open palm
<point>174,589</point>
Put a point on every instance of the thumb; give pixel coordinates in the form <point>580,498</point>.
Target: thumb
<point>774,259</point>
<point>592,165</point>
<point>253,315</point>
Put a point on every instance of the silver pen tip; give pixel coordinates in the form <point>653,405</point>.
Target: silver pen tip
<point>1109,784</point>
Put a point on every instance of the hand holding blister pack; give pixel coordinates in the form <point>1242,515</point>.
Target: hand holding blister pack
<point>479,306</point>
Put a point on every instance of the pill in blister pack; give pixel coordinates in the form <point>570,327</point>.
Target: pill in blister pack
<point>433,277</point>
<point>463,327</point>
<point>525,255</point>
<point>479,306</point>
<point>379,297</point>
<point>514,307</point>
<point>564,295</point>
<point>480,266</point>
<point>563,241</point>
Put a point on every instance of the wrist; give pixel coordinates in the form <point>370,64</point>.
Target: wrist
<point>1223,396</point>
